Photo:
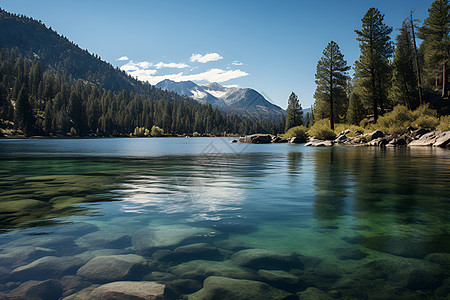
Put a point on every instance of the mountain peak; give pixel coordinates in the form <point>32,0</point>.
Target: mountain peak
<point>214,86</point>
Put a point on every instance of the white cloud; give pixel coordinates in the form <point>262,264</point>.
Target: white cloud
<point>130,66</point>
<point>232,86</point>
<point>205,58</point>
<point>171,65</point>
<point>144,64</point>
<point>237,63</point>
<point>123,58</point>
<point>212,75</point>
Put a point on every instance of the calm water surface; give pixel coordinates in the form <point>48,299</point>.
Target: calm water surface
<point>356,223</point>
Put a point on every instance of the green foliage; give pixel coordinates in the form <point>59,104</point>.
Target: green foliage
<point>331,79</point>
<point>156,131</point>
<point>196,134</point>
<point>297,131</point>
<point>341,127</point>
<point>372,70</point>
<point>321,130</point>
<point>294,112</point>
<point>141,132</point>
<point>23,116</point>
<point>404,81</point>
<point>435,47</point>
<point>73,132</point>
<point>444,123</point>
<point>401,117</point>
<point>355,112</point>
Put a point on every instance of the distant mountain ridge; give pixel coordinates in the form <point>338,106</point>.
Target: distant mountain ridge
<point>244,101</point>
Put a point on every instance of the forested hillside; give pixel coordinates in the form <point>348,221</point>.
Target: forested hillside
<point>49,86</point>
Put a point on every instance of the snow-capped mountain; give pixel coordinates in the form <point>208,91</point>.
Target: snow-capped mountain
<point>242,101</point>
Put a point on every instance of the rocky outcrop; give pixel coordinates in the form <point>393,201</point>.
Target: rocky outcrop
<point>433,138</point>
<point>414,138</point>
<point>319,143</point>
<point>256,139</point>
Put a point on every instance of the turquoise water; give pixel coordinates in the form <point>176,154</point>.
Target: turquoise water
<point>354,222</point>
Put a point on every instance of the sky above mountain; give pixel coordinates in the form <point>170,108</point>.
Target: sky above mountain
<point>270,46</point>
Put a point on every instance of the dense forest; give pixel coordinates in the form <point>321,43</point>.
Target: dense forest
<point>49,86</point>
<point>387,74</point>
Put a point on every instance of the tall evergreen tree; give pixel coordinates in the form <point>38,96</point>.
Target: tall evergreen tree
<point>294,112</point>
<point>23,115</point>
<point>436,42</point>
<point>331,80</point>
<point>404,82</point>
<point>355,112</point>
<point>372,67</point>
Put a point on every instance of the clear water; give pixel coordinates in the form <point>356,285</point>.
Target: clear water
<point>366,223</point>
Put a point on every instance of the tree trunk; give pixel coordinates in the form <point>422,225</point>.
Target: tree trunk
<point>374,98</point>
<point>419,78</point>
<point>444,80</point>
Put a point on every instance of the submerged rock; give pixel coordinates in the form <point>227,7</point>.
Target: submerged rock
<point>215,287</point>
<point>50,289</point>
<point>200,269</point>
<point>47,267</point>
<point>265,259</point>
<point>313,293</point>
<point>72,284</point>
<point>152,238</point>
<point>282,279</point>
<point>104,239</point>
<point>186,286</point>
<point>350,253</point>
<point>134,290</point>
<point>111,268</point>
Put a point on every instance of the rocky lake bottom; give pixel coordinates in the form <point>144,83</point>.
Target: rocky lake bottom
<point>205,219</point>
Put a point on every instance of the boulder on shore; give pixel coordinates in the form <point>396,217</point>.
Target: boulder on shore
<point>256,139</point>
<point>436,138</point>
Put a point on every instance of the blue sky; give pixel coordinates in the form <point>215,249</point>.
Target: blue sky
<point>271,46</point>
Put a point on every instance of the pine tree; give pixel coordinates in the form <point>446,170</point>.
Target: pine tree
<point>372,67</point>
<point>23,116</point>
<point>436,42</point>
<point>355,112</point>
<point>331,80</point>
<point>294,112</point>
<point>404,82</point>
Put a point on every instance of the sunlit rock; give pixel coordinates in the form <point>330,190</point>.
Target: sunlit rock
<point>133,290</point>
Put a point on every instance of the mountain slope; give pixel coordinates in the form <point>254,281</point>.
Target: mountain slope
<point>35,40</point>
<point>246,102</point>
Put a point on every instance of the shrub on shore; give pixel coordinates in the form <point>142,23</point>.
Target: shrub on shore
<point>321,130</point>
<point>297,131</point>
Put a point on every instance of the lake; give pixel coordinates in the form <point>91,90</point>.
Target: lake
<point>339,222</point>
